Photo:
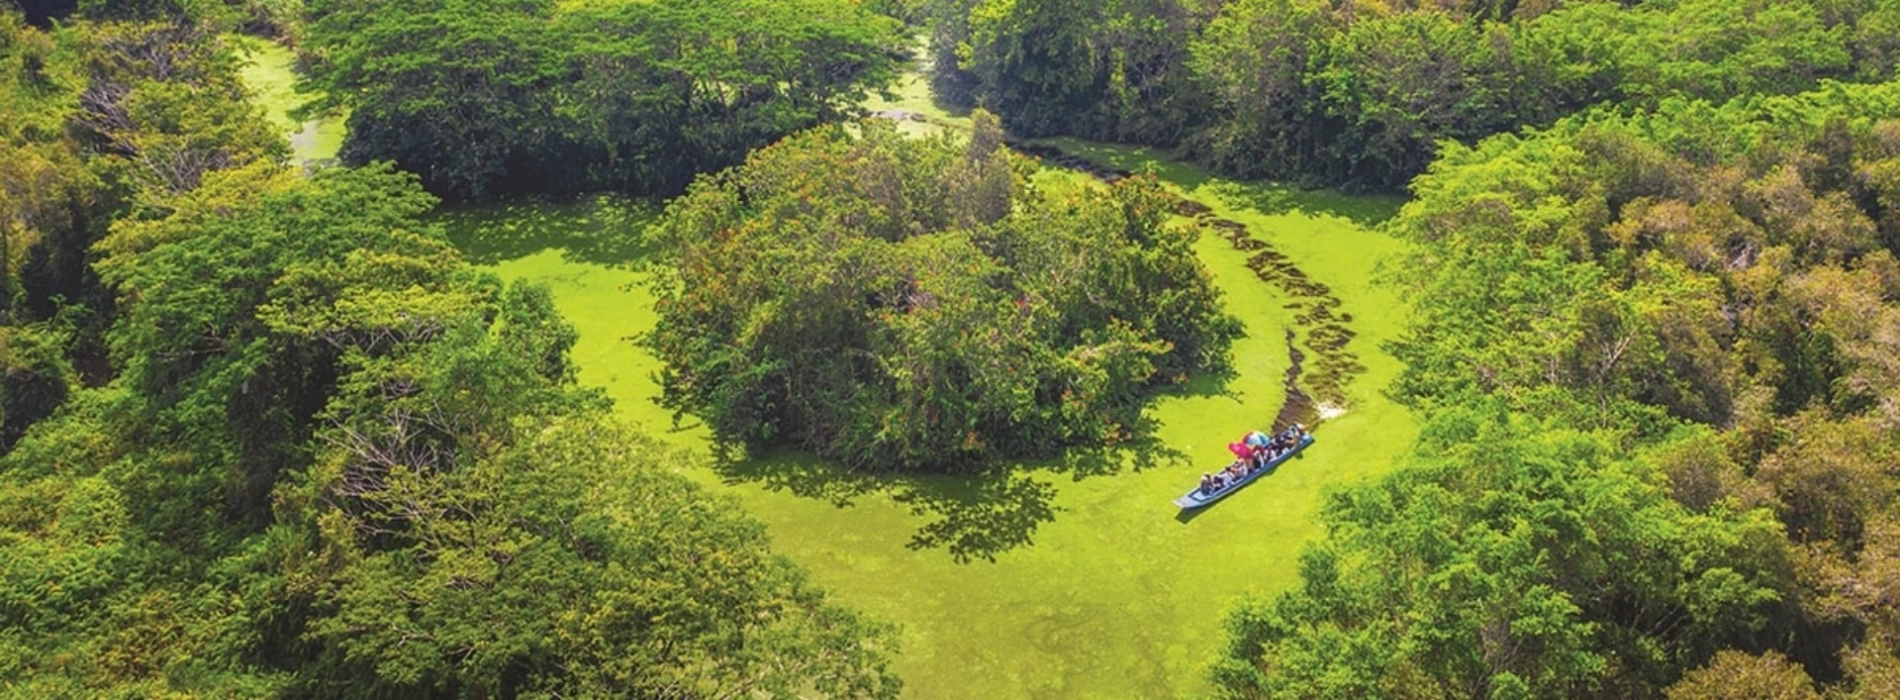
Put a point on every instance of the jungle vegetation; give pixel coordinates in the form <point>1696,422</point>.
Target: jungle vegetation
<point>266,433</point>
<point>539,97</point>
<point>895,303</point>
<point>1658,358</point>
<point>1361,92</point>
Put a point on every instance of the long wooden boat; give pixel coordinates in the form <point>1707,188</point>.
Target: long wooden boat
<point>1198,498</point>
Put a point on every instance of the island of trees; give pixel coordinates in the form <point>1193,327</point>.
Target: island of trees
<point>896,303</point>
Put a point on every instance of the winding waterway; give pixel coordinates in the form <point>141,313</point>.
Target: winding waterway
<point>1073,578</point>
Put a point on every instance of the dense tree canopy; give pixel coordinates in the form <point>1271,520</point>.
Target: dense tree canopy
<point>483,98</point>
<point>1523,560</point>
<point>1691,313</point>
<point>1362,92</point>
<point>274,438</point>
<point>898,303</point>
<point>264,432</point>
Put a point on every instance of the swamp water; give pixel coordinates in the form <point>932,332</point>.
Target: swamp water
<point>1068,579</point>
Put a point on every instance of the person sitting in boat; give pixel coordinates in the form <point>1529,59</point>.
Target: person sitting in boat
<point>1207,483</point>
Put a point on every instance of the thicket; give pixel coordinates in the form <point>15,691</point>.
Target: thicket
<point>278,17</point>
<point>1361,93</point>
<point>483,98</point>
<point>897,303</point>
<point>270,436</point>
<point>1660,359</point>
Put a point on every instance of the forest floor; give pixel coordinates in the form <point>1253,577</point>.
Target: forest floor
<point>1074,578</point>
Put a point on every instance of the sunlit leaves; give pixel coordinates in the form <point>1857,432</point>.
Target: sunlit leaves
<point>898,304</point>
<point>486,98</point>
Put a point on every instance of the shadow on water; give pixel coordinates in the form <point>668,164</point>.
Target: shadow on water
<point>976,516</point>
<point>969,516</point>
<point>1274,199</point>
<point>604,230</point>
<point>1270,198</point>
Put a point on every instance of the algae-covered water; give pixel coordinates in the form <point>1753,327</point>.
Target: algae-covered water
<point>1098,587</point>
<point>1069,579</point>
<point>271,72</point>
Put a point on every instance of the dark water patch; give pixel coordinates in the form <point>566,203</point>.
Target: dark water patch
<point>1274,200</point>
<point>1190,208</point>
<point>1299,407</point>
<point>897,115</point>
<point>1063,159</point>
<point>1330,336</point>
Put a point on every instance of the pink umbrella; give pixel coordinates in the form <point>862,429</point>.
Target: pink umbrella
<point>1240,449</point>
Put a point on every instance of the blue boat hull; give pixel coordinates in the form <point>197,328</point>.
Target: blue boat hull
<point>1196,498</point>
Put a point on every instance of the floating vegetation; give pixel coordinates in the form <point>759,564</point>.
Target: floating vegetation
<point>1324,327</point>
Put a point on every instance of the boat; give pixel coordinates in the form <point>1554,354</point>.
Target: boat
<point>1198,498</point>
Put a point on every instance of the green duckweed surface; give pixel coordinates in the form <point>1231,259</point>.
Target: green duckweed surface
<point>1098,587</point>
<point>1069,579</point>
<point>270,70</point>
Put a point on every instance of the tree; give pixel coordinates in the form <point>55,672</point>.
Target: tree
<point>484,98</point>
<point>1705,287</point>
<point>1733,675</point>
<point>1517,559</point>
<point>899,304</point>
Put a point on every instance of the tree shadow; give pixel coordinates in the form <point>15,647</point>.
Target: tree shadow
<point>1138,451</point>
<point>603,230</point>
<point>973,516</point>
<point>995,509</point>
<point>1270,198</point>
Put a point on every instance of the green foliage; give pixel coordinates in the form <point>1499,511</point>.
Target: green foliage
<point>1106,70</point>
<point>37,377</point>
<point>1361,93</point>
<point>45,190</point>
<point>1402,83</point>
<point>1519,560</point>
<point>524,572</point>
<point>484,98</point>
<point>264,434</point>
<point>336,462</point>
<point>897,304</point>
<point>1736,675</point>
<point>169,106</point>
<point>1714,286</point>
